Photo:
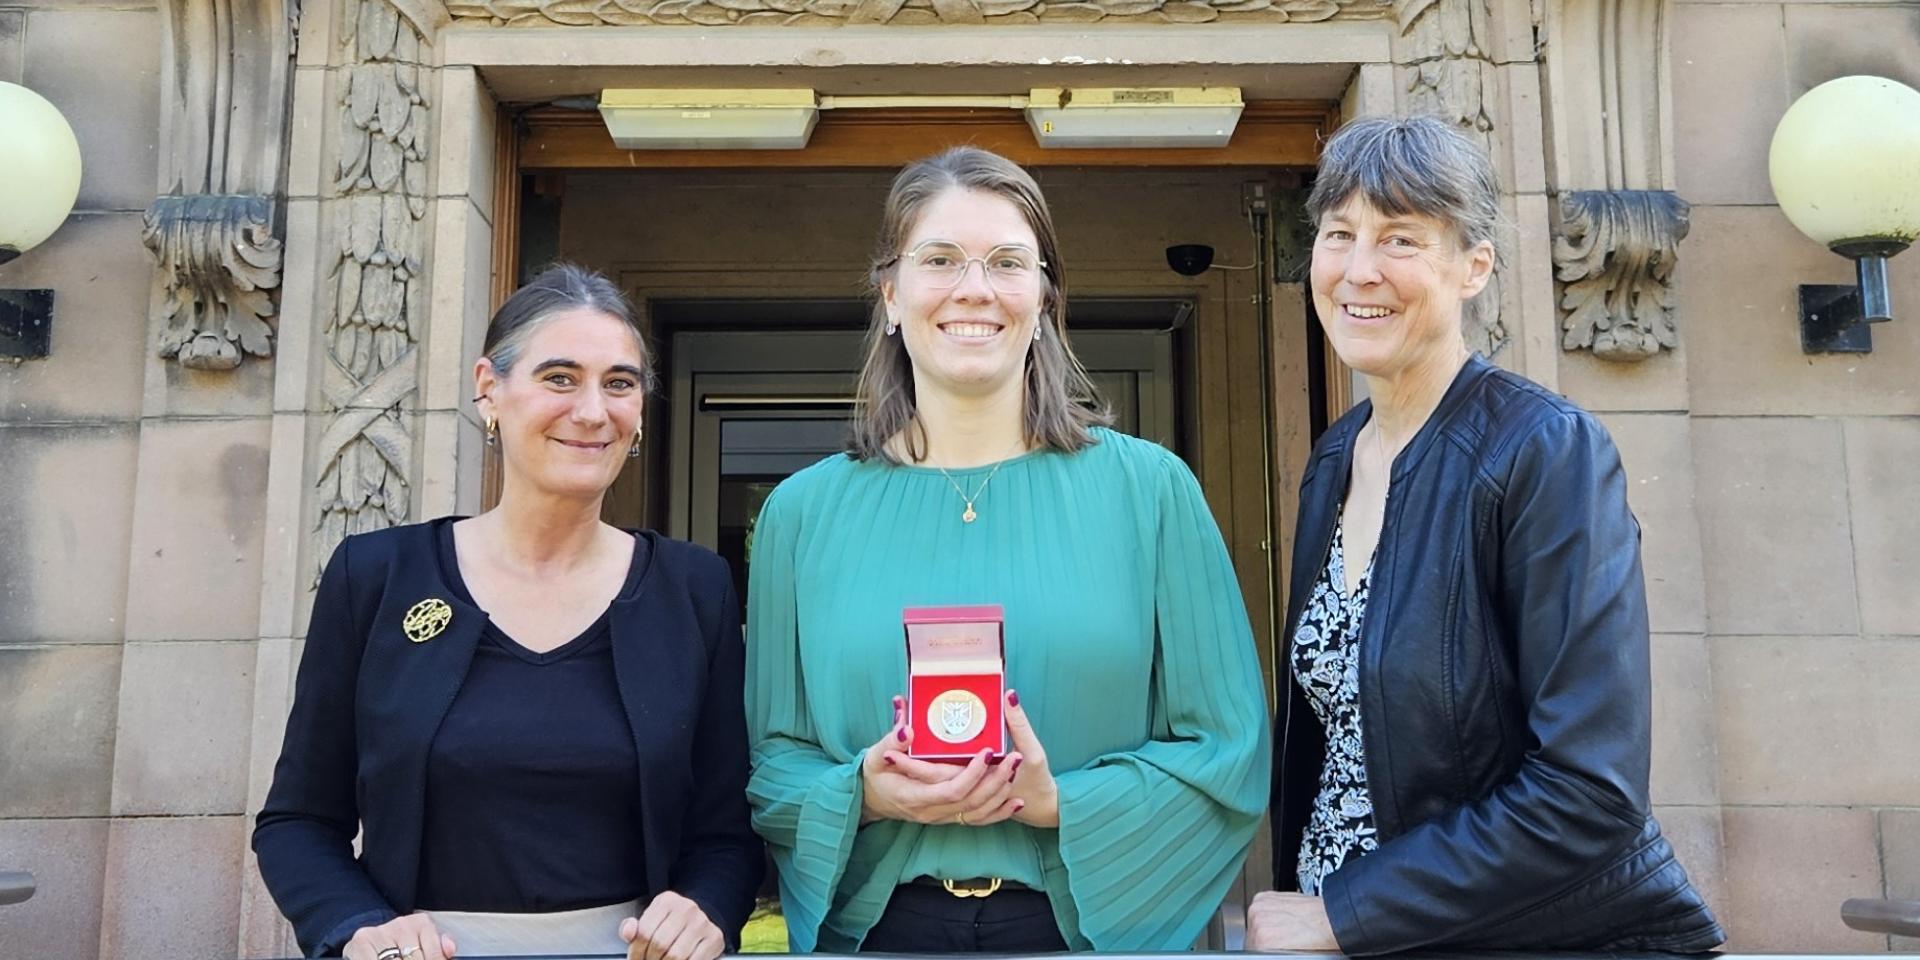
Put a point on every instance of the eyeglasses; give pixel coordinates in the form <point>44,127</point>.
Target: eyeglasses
<point>1010,267</point>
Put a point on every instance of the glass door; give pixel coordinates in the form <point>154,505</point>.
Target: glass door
<point>751,431</point>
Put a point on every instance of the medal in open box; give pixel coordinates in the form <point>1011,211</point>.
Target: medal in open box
<point>956,681</point>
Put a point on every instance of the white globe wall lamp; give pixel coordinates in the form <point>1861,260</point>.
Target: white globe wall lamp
<point>41,160</point>
<point>1845,166</point>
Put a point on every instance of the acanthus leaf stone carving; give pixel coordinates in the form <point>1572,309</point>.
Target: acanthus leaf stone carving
<point>218,260</point>
<point>1613,253</point>
<point>211,231</point>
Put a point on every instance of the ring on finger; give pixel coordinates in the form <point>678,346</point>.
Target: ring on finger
<point>389,953</point>
<point>410,951</point>
<point>961,818</point>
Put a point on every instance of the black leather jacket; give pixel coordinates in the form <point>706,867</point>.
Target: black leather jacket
<point>1504,691</point>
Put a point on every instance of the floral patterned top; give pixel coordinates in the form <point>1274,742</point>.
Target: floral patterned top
<point>1326,664</point>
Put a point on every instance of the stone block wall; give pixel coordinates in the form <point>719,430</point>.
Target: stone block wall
<point>130,544</point>
<point>1775,492</point>
<point>144,667</point>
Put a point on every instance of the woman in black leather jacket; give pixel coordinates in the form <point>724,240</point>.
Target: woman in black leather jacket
<point>1462,757</point>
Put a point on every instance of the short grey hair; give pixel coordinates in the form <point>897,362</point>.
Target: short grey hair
<point>559,288</point>
<point>1413,166</point>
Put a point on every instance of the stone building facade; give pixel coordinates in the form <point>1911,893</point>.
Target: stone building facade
<point>294,217</point>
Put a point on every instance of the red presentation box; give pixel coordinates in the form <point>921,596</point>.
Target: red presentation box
<point>956,681</point>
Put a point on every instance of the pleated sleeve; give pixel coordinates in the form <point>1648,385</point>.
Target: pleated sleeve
<point>1152,837</point>
<point>806,801</point>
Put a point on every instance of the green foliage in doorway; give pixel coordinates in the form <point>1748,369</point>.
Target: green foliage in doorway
<point>766,930</point>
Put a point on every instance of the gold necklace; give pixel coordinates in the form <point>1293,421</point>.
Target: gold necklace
<point>969,516</point>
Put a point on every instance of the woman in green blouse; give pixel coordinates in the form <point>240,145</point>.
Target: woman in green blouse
<point>980,471</point>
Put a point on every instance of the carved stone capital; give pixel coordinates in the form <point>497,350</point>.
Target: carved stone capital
<point>218,259</point>
<point>1613,254</point>
<point>1446,70</point>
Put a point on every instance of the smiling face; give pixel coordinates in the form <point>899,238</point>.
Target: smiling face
<point>568,410</point>
<point>970,338</point>
<point>1390,289</point>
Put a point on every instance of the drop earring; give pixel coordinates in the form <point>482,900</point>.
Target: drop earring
<point>634,450</point>
<point>493,431</point>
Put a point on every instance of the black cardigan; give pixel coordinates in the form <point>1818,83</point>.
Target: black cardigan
<point>367,702</point>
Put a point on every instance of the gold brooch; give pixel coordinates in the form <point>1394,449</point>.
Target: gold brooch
<point>427,619</point>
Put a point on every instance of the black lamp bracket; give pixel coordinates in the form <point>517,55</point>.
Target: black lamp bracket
<point>26,324</point>
<point>1836,319</point>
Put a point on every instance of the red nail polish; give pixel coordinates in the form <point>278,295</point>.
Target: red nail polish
<point>1017,761</point>
<point>888,759</point>
<point>1013,697</point>
<point>902,734</point>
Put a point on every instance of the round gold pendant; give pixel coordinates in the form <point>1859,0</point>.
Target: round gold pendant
<point>969,516</point>
<point>426,619</point>
<point>957,716</point>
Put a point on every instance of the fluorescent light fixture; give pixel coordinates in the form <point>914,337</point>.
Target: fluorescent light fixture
<point>709,119</point>
<point>1134,116</point>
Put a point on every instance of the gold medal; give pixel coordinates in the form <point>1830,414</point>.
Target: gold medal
<point>957,716</point>
<point>427,619</point>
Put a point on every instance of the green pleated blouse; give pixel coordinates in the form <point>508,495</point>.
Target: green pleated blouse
<point>1125,634</point>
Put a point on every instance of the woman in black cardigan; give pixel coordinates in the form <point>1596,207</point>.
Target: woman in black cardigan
<point>532,718</point>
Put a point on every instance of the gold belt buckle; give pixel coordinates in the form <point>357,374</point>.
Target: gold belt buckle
<point>957,889</point>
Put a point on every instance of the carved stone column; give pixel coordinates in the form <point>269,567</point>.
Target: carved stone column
<point>1446,46</point>
<point>1618,224</point>
<point>224,104</point>
<point>365,455</point>
<point>1446,67</point>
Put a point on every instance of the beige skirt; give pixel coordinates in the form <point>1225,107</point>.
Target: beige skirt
<point>593,931</point>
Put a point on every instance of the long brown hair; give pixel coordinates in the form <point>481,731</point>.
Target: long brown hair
<point>1060,405</point>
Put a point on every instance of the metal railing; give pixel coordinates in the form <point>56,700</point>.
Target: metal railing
<point>1421,955</point>
<point>1898,917</point>
<point>16,886</point>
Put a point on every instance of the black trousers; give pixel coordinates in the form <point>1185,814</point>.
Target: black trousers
<point>928,919</point>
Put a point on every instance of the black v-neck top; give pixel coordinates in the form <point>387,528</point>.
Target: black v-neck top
<point>532,788</point>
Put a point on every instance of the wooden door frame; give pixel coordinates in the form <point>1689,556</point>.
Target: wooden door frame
<point>1271,135</point>
<point>1278,137</point>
